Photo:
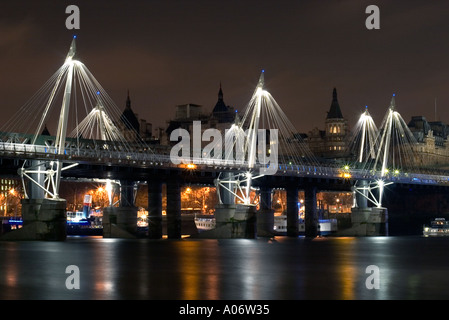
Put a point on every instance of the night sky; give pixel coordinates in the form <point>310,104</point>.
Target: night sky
<point>175,52</point>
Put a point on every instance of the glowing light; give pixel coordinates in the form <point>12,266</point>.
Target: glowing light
<point>74,37</point>
<point>109,191</point>
<point>191,166</point>
<point>98,92</point>
<point>346,167</point>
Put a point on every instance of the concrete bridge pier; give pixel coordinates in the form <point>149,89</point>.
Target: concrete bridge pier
<point>367,221</point>
<point>311,220</point>
<point>154,209</point>
<point>174,210</point>
<point>232,220</point>
<point>43,218</point>
<point>121,222</point>
<point>265,216</point>
<point>292,211</point>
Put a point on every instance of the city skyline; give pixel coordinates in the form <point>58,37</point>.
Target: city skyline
<point>171,53</point>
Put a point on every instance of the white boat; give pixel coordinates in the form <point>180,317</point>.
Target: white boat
<point>438,227</point>
<point>326,226</point>
<point>204,224</point>
<point>75,216</point>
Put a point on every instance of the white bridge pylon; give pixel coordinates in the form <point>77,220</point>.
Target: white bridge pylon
<point>263,140</point>
<point>78,87</point>
<point>390,154</point>
<point>54,168</point>
<point>232,183</point>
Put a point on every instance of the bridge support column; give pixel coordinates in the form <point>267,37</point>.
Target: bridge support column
<point>126,193</point>
<point>121,222</point>
<point>311,223</point>
<point>155,209</point>
<point>34,192</point>
<point>227,197</point>
<point>265,216</point>
<point>173,210</point>
<point>292,212</point>
<point>362,200</point>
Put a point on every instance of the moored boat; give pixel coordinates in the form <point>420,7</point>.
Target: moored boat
<point>438,227</point>
<point>205,223</point>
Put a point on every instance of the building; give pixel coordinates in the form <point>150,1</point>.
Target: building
<point>332,141</point>
<point>221,114</point>
<point>132,127</point>
<point>185,114</point>
<point>221,117</point>
<point>432,149</point>
<point>10,196</point>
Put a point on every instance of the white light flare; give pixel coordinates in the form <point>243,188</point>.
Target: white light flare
<point>109,191</point>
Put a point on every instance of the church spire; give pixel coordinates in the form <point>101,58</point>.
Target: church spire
<point>334,111</point>
<point>222,112</point>
<point>128,101</point>
<point>128,117</point>
<point>220,93</point>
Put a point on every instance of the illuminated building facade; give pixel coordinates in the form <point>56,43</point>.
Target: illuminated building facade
<point>9,196</point>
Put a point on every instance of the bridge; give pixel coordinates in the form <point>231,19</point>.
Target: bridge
<point>97,148</point>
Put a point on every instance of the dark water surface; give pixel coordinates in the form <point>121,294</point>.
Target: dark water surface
<point>234,269</point>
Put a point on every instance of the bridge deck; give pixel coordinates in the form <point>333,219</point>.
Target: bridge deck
<point>147,159</point>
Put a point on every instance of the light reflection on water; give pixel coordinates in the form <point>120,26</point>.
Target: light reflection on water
<point>346,269</point>
<point>265,269</point>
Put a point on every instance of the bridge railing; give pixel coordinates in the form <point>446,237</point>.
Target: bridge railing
<point>147,159</point>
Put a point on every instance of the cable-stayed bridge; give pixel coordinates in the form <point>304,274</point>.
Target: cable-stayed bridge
<point>263,143</point>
